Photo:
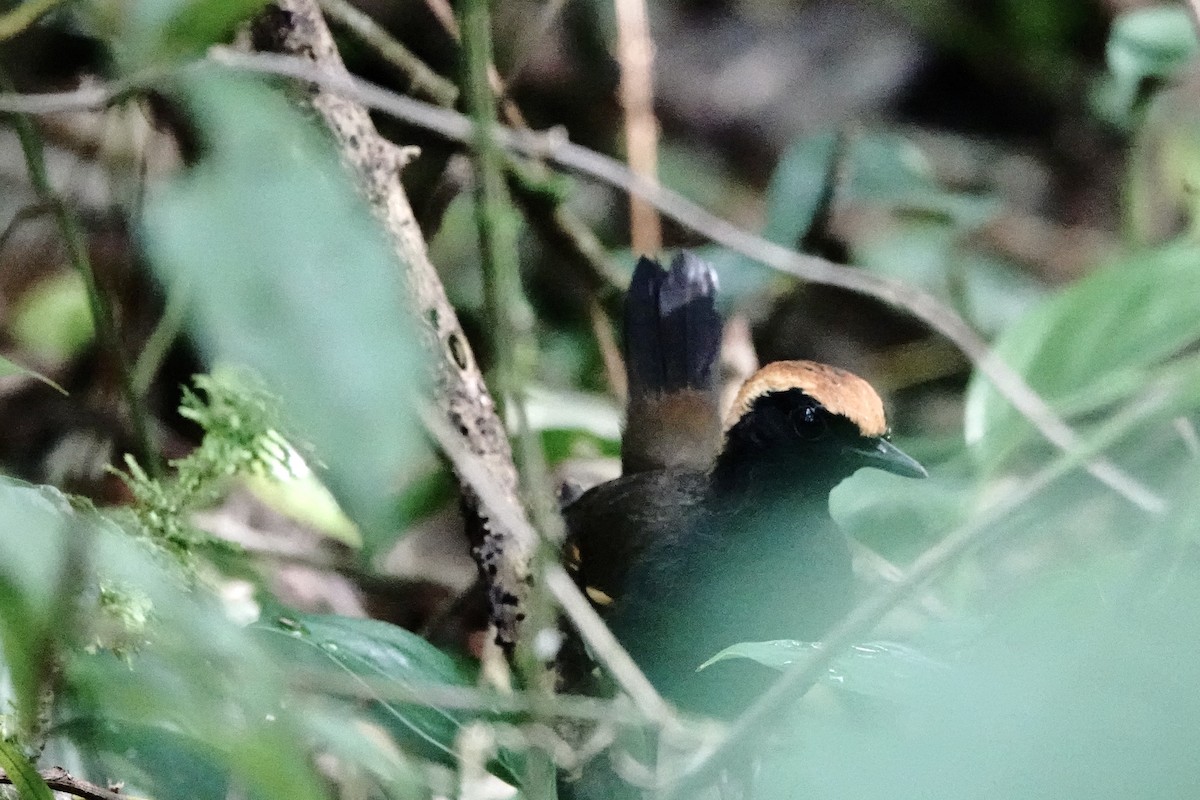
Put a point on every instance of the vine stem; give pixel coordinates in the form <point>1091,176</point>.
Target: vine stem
<point>99,304</point>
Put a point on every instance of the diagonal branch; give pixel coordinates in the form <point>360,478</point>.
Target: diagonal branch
<point>504,553</point>
<point>555,147</point>
<point>59,780</point>
<point>805,672</point>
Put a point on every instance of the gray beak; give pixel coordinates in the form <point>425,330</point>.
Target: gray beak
<point>882,454</point>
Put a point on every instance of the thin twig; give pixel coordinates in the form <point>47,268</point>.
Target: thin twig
<point>531,184</point>
<point>90,97</point>
<point>555,147</point>
<point>103,319</point>
<point>607,649</point>
<point>468,698</point>
<point>610,351</point>
<point>614,657</point>
<point>59,780</point>
<point>159,342</point>
<point>421,79</point>
<point>807,671</point>
<point>525,47</point>
<point>511,318</point>
<point>23,215</point>
<point>635,54</point>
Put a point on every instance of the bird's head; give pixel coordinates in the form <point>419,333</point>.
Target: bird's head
<point>811,417</point>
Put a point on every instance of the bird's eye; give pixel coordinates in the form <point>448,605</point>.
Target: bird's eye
<point>809,423</point>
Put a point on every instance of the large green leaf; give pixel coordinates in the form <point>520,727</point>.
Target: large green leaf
<point>797,187</point>
<point>192,671</point>
<point>289,274</point>
<point>1091,345</point>
<point>155,758</point>
<point>379,651</point>
<point>878,669</point>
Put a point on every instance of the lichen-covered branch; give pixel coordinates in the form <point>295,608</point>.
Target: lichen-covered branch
<point>296,27</point>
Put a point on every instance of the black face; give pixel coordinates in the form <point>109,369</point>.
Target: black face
<point>790,418</point>
<point>790,429</point>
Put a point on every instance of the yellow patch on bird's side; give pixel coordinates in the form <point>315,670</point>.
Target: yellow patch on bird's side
<point>598,596</point>
<point>841,392</point>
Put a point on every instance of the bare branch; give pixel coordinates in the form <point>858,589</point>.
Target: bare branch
<point>422,80</point>
<point>59,780</point>
<point>503,552</point>
<point>607,649</point>
<point>635,54</point>
<point>555,147</point>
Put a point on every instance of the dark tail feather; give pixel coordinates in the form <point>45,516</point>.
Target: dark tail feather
<point>672,329</point>
<point>672,335</point>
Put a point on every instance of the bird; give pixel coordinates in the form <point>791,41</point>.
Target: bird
<point>719,531</point>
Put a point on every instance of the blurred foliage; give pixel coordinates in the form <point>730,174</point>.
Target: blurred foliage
<point>1057,659</point>
<point>309,296</point>
<point>53,321</point>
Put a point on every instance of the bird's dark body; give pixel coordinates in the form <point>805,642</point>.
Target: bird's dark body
<point>697,561</point>
<point>716,534</point>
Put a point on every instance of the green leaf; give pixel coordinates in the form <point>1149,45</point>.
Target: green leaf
<point>1090,345</point>
<point>888,168</point>
<point>877,669</point>
<point>53,319</point>
<point>798,186</point>
<point>21,772</point>
<point>9,367</point>
<point>195,24</point>
<point>1156,41</point>
<point>360,744</point>
<point>380,651</point>
<point>154,758</point>
<point>193,670</point>
<point>37,521</point>
<point>1153,42</point>
<point>289,274</point>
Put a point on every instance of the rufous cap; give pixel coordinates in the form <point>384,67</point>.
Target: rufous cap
<point>839,391</point>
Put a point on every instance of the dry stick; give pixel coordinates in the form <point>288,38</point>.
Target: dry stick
<point>608,650</point>
<point>592,628</point>
<point>610,351</point>
<point>504,552</point>
<point>422,80</point>
<point>805,672</point>
<point>544,210</point>
<point>554,146</point>
<point>635,54</point>
<point>85,98</point>
<point>59,780</point>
